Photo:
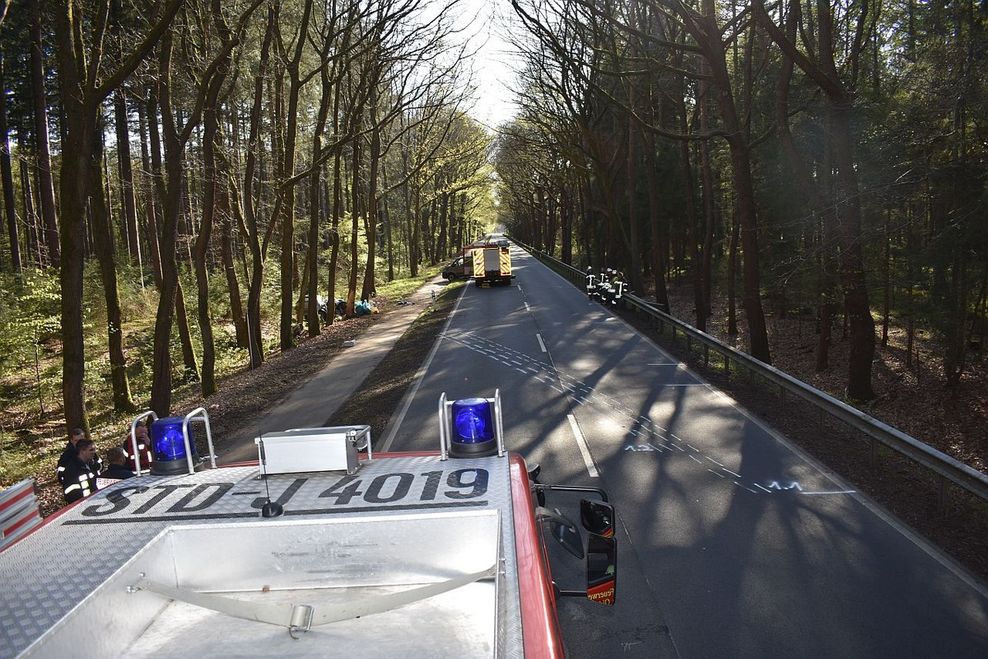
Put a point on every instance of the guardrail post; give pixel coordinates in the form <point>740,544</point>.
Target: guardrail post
<point>727,364</point>
<point>706,355</point>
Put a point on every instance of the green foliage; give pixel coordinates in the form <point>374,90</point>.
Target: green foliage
<point>29,315</point>
<point>400,288</point>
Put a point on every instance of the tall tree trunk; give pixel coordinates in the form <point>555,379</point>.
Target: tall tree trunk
<point>82,94</point>
<point>852,272</point>
<point>732,276</point>
<point>288,206</point>
<point>103,245</point>
<point>226,250</point>
<point>79,129</point>
<point>334,231</point>
<point>823,71</point>
<point>351,292</point>
<point>250,215</point>
<point>713,47</point>
<point>151,166</point>
<point>7,176</point>
<point>414,256</point>
<point>637,283</point>
<point>46,190</point>
<point>658,244</point>
<point>125,170</point>
<point>211,136</point>
<point>316,216</point>
<point>375,160</point>
<point>30,216</point>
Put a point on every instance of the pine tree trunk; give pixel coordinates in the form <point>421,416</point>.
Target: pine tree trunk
<point>732,277</point>
<point>367,290</point>
<point>31,217</point>
<point>151,167</point>
<point>316,216</point>
<point>852,272</point>
<point>46,189</point>
<point>6,174</point>
<point>253,239</point>
<point>351,291</point>
<point>129,215</point>
<point>105,253</point>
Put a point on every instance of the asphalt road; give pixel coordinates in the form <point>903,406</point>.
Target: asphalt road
<point>731,542</point>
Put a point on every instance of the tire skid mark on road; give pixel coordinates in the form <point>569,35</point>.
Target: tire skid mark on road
<point>650,435</point>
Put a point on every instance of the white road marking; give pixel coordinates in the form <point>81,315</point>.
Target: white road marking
<point>541,345</point>
<point>665,364</point>
<point>834,492</point>
<point>528,308</point>
<point>582,443</point>
<point>736,475</point>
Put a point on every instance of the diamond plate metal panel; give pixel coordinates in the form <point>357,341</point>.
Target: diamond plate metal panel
<point>49,573</point>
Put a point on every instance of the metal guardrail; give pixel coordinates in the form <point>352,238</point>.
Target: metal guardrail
<point>946,467</point>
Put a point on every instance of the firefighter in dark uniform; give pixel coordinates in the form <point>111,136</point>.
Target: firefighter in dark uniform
<point>601,285</point>
<point>117,467</point>
<point>70,454</point>
<point>143,448</point>
<point>617,288</point>
<point>605,286</point>
<point>79,479</point>
<point>591,283</point>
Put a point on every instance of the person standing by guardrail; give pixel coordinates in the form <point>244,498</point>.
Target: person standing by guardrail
<point>591,282</point>
<point>618,288</point>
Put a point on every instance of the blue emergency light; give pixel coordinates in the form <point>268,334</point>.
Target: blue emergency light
<point>168,445</point>
<point>471,427</point>
<point>472,421</point>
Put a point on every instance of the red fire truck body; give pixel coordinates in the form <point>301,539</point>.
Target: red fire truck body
<point>384,555</point>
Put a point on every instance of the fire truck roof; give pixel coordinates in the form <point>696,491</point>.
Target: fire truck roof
<point>149,565</point>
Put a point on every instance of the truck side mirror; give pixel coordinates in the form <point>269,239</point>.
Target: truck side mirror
<point>562,530</point>
<point>602,570</point>
<point>597,517</point>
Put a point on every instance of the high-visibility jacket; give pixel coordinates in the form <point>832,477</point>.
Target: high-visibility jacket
<point>143,451</point>
<point>78,480</point>
<point>68,458</point>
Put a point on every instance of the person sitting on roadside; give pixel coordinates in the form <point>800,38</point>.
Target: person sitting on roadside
<point>117,467</point>
<point>143,448</point>
<point>79,479</point>
<point>70,453</point>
